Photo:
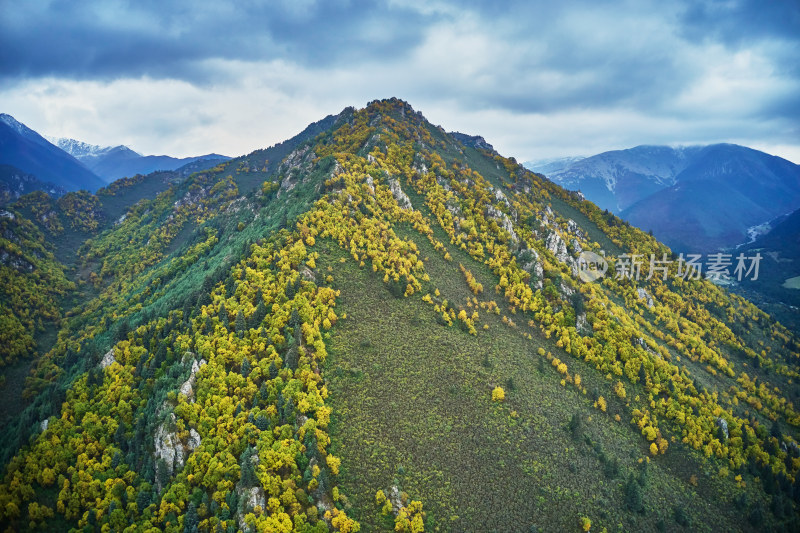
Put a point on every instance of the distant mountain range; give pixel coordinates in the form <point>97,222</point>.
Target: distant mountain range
<point>551,165</point>
<point>697,198</point>
<point>59,163</point>
<point>114,162</point>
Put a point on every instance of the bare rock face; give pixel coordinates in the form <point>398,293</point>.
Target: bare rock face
<point>187,389</point>
<point>558,247</point>
<point>307,273</point>
<point>399,195</point>
<point>108,359</point>
<point>169,447</point>
<point>249,496</point>
<point>394,497</point>
<point>14,261</point>
<point>574,229</point>
<point>501,197</point>
<point>644,295</point>
<point>582,325</point>
<point>530,262</point>
<point>504,221</point>
<point>291,167</point>
<point>166,444</point>
<point>254,496</point>
<point>722,424</point>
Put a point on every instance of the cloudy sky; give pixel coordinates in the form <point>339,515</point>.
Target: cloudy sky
<point>536,79</point>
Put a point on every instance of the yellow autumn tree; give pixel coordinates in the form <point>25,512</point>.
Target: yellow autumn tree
<point>498,394</point>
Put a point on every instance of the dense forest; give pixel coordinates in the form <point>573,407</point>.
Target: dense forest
<point>377,326</point>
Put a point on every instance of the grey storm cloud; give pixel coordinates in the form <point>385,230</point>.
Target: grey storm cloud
<point>693,70</point>
<point>742,21</point>
<point>102,40</point>
<point>557,55</point>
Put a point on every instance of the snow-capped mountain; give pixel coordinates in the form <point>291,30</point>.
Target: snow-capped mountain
<point>17,126</point>
<point>115,162</point>
<point>80,149</point>
<point>26,150</point>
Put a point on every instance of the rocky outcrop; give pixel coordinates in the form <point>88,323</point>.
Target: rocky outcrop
<point>253,497</point>
<point>191,197</point>
<point>474,141</point>
<point>16,262</point>
<point>529,261</point>
<point>187,389</point>
<point>504,221</point>
<point>169,447</point>
<point>250,497</point>
<point>291,168</point>
<point>557,247</point>
<point>582,325</point>
<point>396,499</point>
<point>501,197</point>
<point>722,424</point>
<point>645,296</point>
<point>574,229</point>
<point>453,206</point>
<point>108,359</point>
<point>546,216</point>
<point>400,196</point>
<point>308,274</point>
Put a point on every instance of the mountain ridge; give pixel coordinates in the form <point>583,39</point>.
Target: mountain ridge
<point>369,326</point>
<point>659,187</point>
<point>28,151</point>
<point>115,162</point>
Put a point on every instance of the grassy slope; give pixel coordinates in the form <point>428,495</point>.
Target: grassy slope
<point>412,407</point>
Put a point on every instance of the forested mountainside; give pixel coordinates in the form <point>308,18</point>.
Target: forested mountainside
<point>375,326</point>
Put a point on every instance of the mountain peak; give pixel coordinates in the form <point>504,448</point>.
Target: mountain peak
<point>79,149</point>
<point>27,150</point>
<point>13,123</point>
<point>20,128</point>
